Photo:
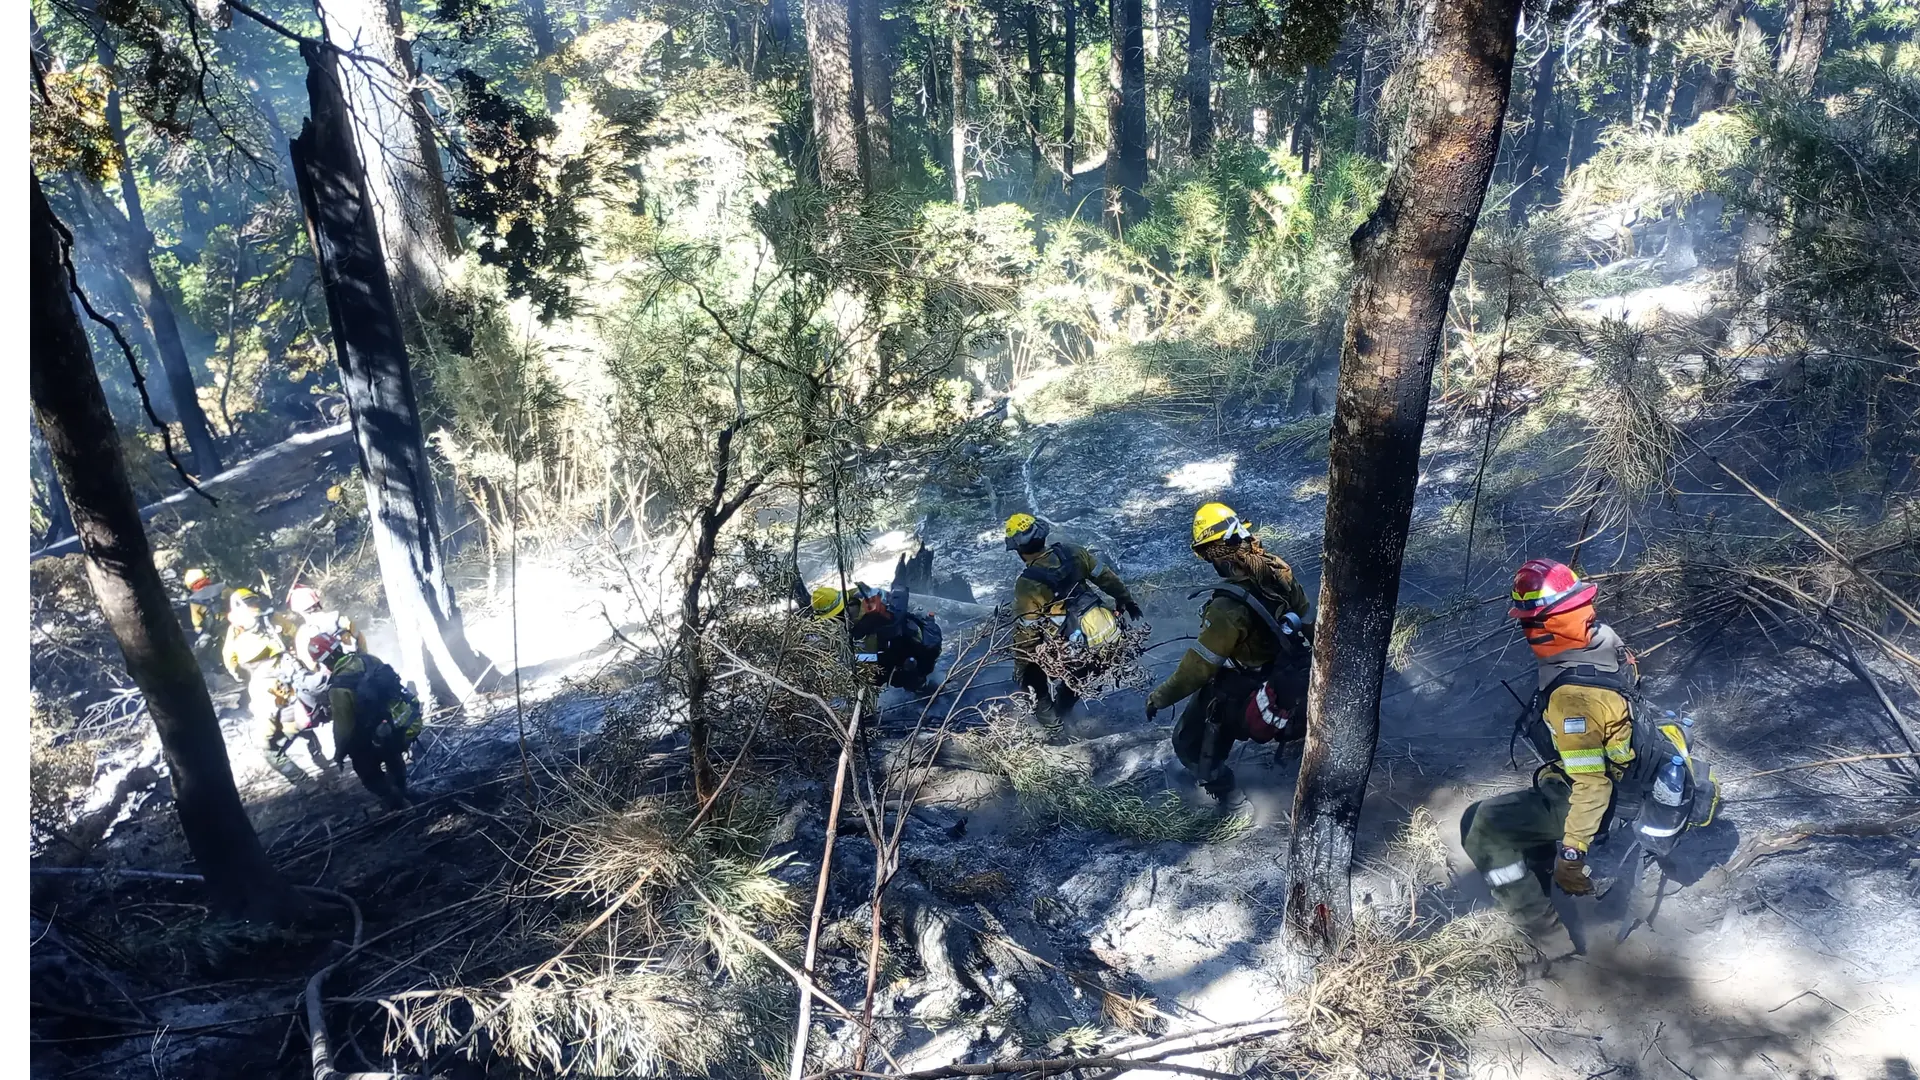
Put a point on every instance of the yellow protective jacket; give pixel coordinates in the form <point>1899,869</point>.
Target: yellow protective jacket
<point>1591,726</point>
<point>1231,632</point>
<point>249,646</point>
<point>1035,604</point>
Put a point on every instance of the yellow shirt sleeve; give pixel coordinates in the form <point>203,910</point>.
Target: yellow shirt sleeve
<point>1593,731</point>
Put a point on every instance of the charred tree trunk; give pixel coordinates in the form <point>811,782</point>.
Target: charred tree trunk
<point>135,241</point>
<point>958,72</point>
<point>1717,91</point>
<point>1199,77</point>
<point>377,380</point>
<point>1539,175</point>
<point>876,92</point>
<point>541,27</point>
<point>1070,94</point>
<point>1405,259</point>
<point>395,146</point>
<point>830,63</point>
<point>1126,117</point>
<point>71,411</point>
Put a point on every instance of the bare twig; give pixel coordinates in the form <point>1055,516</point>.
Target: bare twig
<point>797,1059</point>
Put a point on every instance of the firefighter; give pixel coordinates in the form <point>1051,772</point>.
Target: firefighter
<point>305,603</point>
<point>1581,721</point>
<point>375,718</point>
<point>1054,594</point>
<point>898,645</point>
<point>256,654</point>
<point>1247,670</point>
<point>204,607</point>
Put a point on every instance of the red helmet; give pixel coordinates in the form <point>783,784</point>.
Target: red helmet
<point>1543,587</point>
<point>304,599</point>
<point>322,647</point>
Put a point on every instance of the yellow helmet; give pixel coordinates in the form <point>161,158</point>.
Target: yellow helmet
<point>1025,532</point>
<point>1217,521</point>
<point>245,599</point>
<point>828,602</point>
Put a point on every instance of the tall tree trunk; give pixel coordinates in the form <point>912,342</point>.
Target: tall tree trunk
<point>1803,41</point>
<point>135,242</point>
<point>1199,77</point>
<point>957,69</point>
<point>1405,259</point>
<point>71,411</point>
<point>1126,116</point>
<point>1366,91</point>
<point>1306,124</point>
<point>541,27</point>
<point>1717,91</point>
<point>1539,173</point>
<point>1070,93</point>
<point>394,138</point>
<point>1035,85</point>
<point>370,345</point>
<point>830,61</point>
<point>876,91</point>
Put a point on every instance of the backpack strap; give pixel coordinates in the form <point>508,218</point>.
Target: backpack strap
<point>1061,580</point>
<point>1251,600</point>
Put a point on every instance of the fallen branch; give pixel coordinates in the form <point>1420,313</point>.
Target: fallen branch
<point>1780,843</point>
<point>797,1058</point>
<point>1898,603</point>
<point>1119,1059</point>
<point>1822,764</point>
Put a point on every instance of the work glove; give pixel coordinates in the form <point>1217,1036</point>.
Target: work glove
<point>1152,709</point>
<point>202,640</point>
<point>1570,871</point>
<point>1132,609</point>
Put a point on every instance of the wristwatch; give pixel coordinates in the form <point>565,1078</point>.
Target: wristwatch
<point>1569,853</point>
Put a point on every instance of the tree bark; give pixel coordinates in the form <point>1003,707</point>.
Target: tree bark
<point>1803,41</point>
<point>1539,173</point>
<point>1035,86</point>
<point>713,516</point>
<point>1406,257</point>
<point>1126,116</point>
<point>1306,124</point>
<point>876,92</point>
<point>1199,78</point>
<point>830,66</point>
<point>394,142</point>
<point>71,411</point>
<point>1366,91</point>
<point>957,69</point>
<point>377,380</point>
<point>1070,93</point>
<point>1717,91</point>
<point>541,27</point>
<point>135,241</point>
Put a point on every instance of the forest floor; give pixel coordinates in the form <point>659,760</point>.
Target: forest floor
<point>1781,946</point>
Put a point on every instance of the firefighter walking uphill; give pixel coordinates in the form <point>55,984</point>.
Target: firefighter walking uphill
<point>1247,670</point>
<point>254,653</point>
<point>375,718</point>
<point>1055,595</point>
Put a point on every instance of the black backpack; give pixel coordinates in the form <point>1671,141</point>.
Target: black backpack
<point>375,690</point>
